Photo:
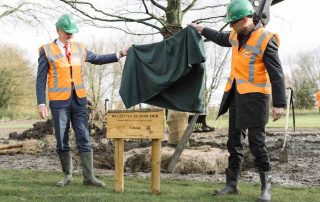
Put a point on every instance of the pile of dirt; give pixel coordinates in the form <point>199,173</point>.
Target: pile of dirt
<point>203,160</point>
<point>39,131</point>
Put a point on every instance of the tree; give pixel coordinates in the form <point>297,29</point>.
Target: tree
<point>216,65</point>
<point>102,81</point>
<point>305,78</point>
<point>16,79</point>
<point>162,16</point>
<point>28,12</point>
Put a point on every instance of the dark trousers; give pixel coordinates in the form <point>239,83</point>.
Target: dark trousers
<point>257,144</point>
<point>78,116</point>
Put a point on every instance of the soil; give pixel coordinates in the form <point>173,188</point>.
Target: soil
<point>303,168</point>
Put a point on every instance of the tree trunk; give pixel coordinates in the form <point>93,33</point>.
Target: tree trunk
<point>174,17</point>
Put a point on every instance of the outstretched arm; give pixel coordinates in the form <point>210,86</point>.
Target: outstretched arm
<point>100,59</point>
<point>220,38</point>
<point>104,59</point>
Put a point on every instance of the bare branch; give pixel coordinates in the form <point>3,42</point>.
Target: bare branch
<point>158,5</point>
<point>209,18</point>
<point>220,60</point>
<point>145,6</point>
<point>118,18</point>
<point>207,7</point>
<point>189,7</point>
<point>121,29</point>
<point>9,10</point>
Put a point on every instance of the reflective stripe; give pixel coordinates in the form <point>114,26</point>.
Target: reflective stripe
<point>240,81</point>
<point>81,86</point>
<point>52,61</point>
<point>233,42</point>
<point>56,90</point>
<point>229,80</point>
<point>262,85</point>
<point>254,57</point>
<point>253,49</point>
<point>59,56</point>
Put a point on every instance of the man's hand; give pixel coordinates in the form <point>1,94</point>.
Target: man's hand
<point>123,53</point>
<point>43,112</point>
<point>198,27</point>
<point>276,113</point>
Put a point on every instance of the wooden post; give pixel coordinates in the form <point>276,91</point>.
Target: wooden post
<point>119,164</point>
<point>155,165</point>
<point>182,143</point>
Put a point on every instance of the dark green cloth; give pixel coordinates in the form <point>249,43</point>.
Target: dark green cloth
<point>168,74</point>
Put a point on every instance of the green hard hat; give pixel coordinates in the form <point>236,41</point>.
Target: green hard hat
<point>67,24</point>
<point>238,9</point>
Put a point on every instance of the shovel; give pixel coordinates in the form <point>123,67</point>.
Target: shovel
<point>283,156</point>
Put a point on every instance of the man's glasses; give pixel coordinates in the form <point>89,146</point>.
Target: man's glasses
<point>235,21</point>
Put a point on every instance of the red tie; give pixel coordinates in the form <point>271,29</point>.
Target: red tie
<point>68,55</point>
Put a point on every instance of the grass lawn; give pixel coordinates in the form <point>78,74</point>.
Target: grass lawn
<point>304,119</point>
<point>32,185</point>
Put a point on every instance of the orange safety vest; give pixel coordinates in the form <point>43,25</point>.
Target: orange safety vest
<point>247,67</point>
<point>318,98</point>
<point>59,78</point>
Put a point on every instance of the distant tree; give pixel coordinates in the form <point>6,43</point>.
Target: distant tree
<point>305,77</point>
<point>216,65</point>
<point>29,12</point>
<point>102,81</point>
<point>16,79</point>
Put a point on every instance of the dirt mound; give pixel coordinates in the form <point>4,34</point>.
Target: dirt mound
<point>195,160</point>
<point>39,131</point>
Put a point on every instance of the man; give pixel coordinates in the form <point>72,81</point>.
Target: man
<point>255,71</point>
<point>61,61</point>
<point>318,100</point>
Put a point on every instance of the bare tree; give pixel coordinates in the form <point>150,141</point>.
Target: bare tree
<point>29,12</point>
<point>103,81</point>
<point>97,79</point>
<point>216,65</point>
<point>162,16</point>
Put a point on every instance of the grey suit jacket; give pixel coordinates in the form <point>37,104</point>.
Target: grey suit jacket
<point>42,73</point>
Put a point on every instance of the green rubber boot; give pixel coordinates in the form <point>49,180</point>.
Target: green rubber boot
<point>66,164</point>
<point>87,169</point>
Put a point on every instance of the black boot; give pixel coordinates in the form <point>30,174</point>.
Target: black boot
<point>205,127</point>
<point>265,195</point>
<point>231,186</point>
